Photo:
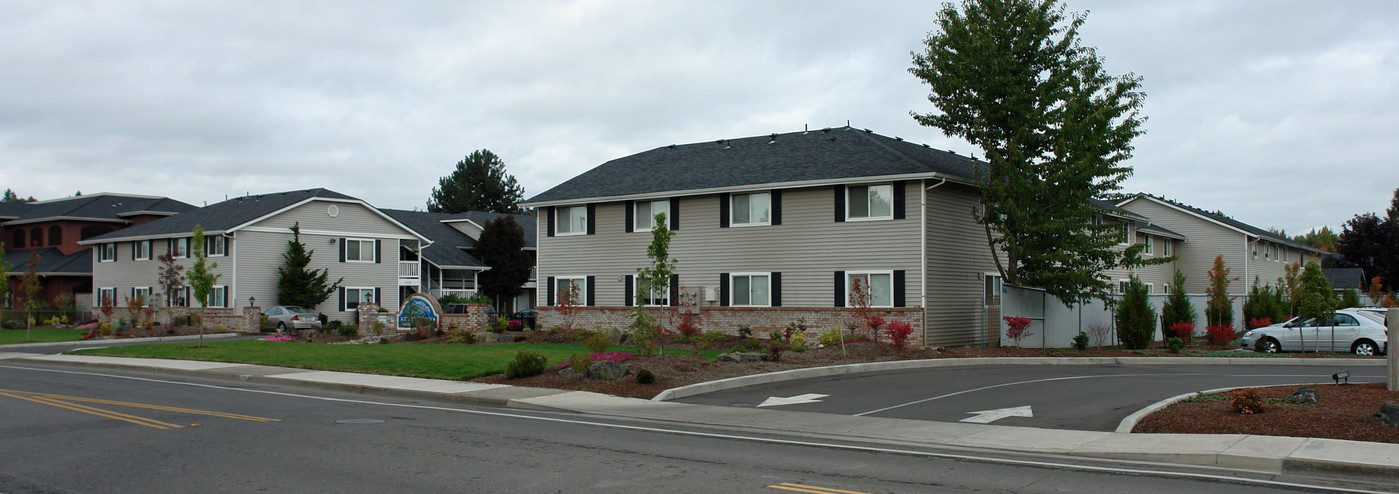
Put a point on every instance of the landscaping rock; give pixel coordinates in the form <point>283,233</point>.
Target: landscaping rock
<point>614,335</point>
<point>1304,394</point>
<point>568,372</point>
<point>607,370</point>
<point>740,357</point>
<point>1389,413</point>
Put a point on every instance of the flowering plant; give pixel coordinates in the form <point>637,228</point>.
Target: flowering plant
<point>280,337</point>
<point>1019,328</point>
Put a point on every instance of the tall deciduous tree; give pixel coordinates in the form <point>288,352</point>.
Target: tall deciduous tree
<point>297,285</point>
<point>171,277</point>
<point>502,247</point>
<point>1011,77</point>
<point>1371,243</point>
<point>201,279</point>
<point>1219,306</point>
<point>479,183</point>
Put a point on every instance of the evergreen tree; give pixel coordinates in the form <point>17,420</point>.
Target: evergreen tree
<point>297,285</point>
<point>479,183</point>
<point>1136,320</point>
<point>1010,77</point>
<point>501,247</point>
<point>1315,299</point>
<point>1177,307</point>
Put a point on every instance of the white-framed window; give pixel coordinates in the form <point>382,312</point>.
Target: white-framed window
<point>358,295</point>
<point>216,246</point>
<point>359,250</point>
<point>1166,247</point>
<point>1284,254</point>
<point>751,209</point>
<point>571,220</point>
<point>646,212</point>
<point>107,252</point>
<point>991,286</point>
<point>750,289</point>
<point>181,297</point>
<point>1146,240</point>
<point>1149,287</point>
<point>179,248</point>
<point>1166,288</point>
<point>144,293</point>
<point>141,250</point>
<point>1126,236</point>
<point>106,296</point>
<point>563,285</point>
<point>877,285</point>
<point>1255,251</point>
<point>218,296</point>
<point>1273,248</point>
<point>1122,285</point>
<point>869,202</point>
<point>657,295</point>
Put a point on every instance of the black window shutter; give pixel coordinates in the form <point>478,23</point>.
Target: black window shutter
<point>631,216</point>
<point>342,251</point>
<point>776,289</point>
<point>840,206</point>
<point>776,207</point>
<point>591,282</point>
<point>631,296</point>
<point>341,298</point>
<point>723,210</point>
<point>170,246</point>
<point>840,288</point>
<point>899,200</point>
<point>550,288</point>
<point>723,289</point>
<point>377,300</point>
<point>377,257</point>
<point>133,250</point>
<point>115,257</point>
<point>549,215</point>
<point>674,290</point>
<point>592,220</point>
<point>899,288</point>
<point>675,213</point>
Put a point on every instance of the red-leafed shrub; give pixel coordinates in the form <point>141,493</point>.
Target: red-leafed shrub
<point>515,325</point>
<point>1247,402</point>
<point>1220,335</point>
<point>898,333</point>
<point>1259,322</point>
<point>1019,328</point>
<point>1182,330</point>
<point>688,327</point>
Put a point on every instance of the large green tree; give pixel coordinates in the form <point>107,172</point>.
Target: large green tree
<point>479,183</point>
<point>1011,77</point>
<point>297,285</point>
<point>502,247</point>
<point>1371,242</point>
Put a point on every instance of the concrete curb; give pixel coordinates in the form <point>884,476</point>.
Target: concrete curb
<point>835,370</point>
<point>101,343</point>
<point>1130,422</point>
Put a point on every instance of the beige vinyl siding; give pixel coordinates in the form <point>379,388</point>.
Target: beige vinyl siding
<point>1206,240</point>
<point>352,219</point>
<point>958,258</point>
<point>807,248</point>
<point>126,273</point>
<point>1156,275</point>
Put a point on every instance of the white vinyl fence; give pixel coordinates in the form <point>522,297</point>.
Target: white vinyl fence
<point>1054,324</point>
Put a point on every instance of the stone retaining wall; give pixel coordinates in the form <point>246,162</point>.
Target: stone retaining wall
<point>729,319</point>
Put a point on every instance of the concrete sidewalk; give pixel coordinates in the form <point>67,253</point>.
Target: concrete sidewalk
<point>1268,454</point>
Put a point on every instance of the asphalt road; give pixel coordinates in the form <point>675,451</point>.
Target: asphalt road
<point>86,430</point>
<point>1089,397</point>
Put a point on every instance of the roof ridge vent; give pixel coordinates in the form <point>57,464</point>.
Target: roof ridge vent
<point>897,138</point>
<point>826,130</point>
<point>672,146</point>
<point>772,139</point>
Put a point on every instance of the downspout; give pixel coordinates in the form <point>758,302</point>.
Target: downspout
<point>1248,259</point>
<point>923,254</point>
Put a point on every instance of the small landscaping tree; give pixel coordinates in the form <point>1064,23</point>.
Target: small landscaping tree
<point>1350,298</point>
<point>1017,328</point>
<point>4,281</point>
<point>1375,292</point>
<point>1178,308</point>
<point>172,277</point>
<point>201,279</point>
<point>657,275</point>
<point>1219,309</point>
<point>28,288</point>
<point>1287,287</point>
<point>297,285</point>
<point>1314,296</point>
<point>1136,320</point>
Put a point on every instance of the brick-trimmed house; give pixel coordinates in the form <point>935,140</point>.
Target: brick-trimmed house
<point>54,228</point>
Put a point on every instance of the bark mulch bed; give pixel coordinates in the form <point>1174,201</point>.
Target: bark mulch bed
<point>1342,411</point>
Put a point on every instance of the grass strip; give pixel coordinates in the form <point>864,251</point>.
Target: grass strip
<point>41,335</point>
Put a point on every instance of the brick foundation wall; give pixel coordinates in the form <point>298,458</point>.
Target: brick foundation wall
<point>240,319</point>
<point>475,319</point>
<point>728,319</point>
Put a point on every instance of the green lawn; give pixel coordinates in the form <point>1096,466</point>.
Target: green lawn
<point>431,361</point>
<point>40,335</point>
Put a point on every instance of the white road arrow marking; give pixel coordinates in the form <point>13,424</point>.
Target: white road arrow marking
<point>989,416</point>
<point>794,400</point>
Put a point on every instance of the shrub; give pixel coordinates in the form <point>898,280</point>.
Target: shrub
<point>597,343</point>
<point>830,337</point>
<point>1019,328</point>
<point>752,345</point>
<point>1247,402</point>
<point>579,365</point>
<point>1259,322</point>
<point>1174,344</point>
<point>774,336</point>
<point>709,338</point>
<point>794,327</point>
<point>348,331</point>
<point>1081,341</point>
<point>526,363</point>
<point>1221,334</point>
<point>520,337</point>
<point>515,325</point>
<point>1099,332</point>
<point>499,325</point>
<point>1136,320</point>
<point>1182,330</point>
<point>459,336</point>
<point>775,351</point>
<point>798,341</point>
<point>688,328</point>
<point>899,332</point>
<point>645,376</point>
<point>1261,345</point>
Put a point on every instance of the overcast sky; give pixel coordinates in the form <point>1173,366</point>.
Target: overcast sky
<point>1280,113</point>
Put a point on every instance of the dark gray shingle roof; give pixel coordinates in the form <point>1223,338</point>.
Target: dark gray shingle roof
<point>51,262</point>
<point>450,246</point>
<point>96,207</point>
<point>827,154</point>
<point>1342,278</point>
<point>221,216</point>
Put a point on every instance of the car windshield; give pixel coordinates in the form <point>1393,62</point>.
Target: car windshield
<point>298,310</point>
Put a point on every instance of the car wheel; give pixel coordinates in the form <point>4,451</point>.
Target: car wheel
<point>1271,346</point>
<point>1363,347</point>
<point>281,327</point>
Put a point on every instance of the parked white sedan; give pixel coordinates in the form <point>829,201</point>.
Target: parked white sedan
<point>1349,330</point>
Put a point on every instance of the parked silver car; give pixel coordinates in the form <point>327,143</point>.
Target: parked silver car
<point>1350,330</point>
<point>285,317</point>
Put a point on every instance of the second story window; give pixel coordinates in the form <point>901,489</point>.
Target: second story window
<point>572,220</point>
<point>1146,240</point>
<point>179,248</point>
<point>646,212</point>
<point>216,246</point>
<point>106,252</point>
<point>359,250</point>
<point>751,209</point>
<point>141,250</point>
<point>870,202</point>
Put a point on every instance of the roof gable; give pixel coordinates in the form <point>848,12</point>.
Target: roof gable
<point>1223,221</point>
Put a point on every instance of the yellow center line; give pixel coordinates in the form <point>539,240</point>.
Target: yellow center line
<point>157,407</point>
<point>96,411</point>
<point>788,486</point>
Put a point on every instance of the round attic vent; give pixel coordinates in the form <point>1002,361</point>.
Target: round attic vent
<point>333,210</point>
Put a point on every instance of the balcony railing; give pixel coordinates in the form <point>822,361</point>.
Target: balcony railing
<point>409,269</point>
<point>534,273</point>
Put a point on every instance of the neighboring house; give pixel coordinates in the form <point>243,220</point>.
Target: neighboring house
<point>1248,251</point>
<point>448,268</point>
<point>1158,242</point>
<point>1342,279</point>
<point>54,228</point>
<point>775,229</point>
